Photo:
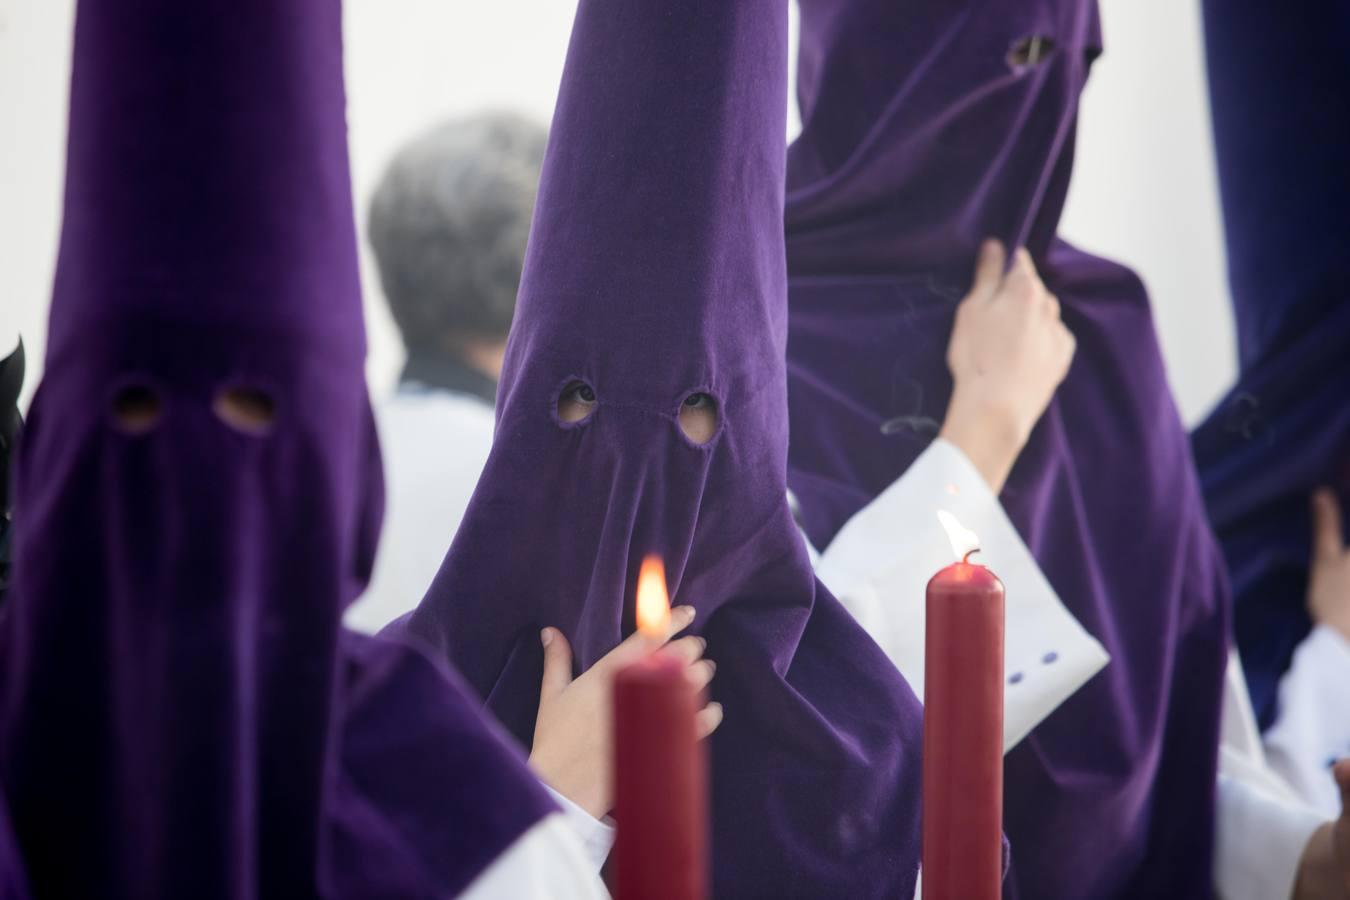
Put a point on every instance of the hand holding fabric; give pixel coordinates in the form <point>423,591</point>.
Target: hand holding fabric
<point>1009,351</point>
<point>573,747</point>
<point>1329,580</point>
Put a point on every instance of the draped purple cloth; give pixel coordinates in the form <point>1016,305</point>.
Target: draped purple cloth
<point>655,271</point>
<point>927,127</point>
<point>181,713</point>
<point>1278,83</point>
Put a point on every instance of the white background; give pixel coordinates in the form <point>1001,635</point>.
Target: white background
<point>1143,191</point>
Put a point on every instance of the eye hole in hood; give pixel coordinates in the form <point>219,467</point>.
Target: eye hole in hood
<point>576,402</point>
<point>245,408</point>
<point>136,408</point>
<point>699,417</point>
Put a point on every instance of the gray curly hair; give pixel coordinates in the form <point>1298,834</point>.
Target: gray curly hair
<point>448,223</point>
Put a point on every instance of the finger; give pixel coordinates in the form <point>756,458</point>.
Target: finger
<point>681,617</point>
<point>701,673</point>
<point>988,270</point>
<point>557,663</point>
<point>687,649</point>
<point>1023,262</point>
<point>1328,536</point>
<point>639,644</point>
<point>1022,281</point>
<point>1070,342</point>
<point>1341,771</point>
<point>708,718</point>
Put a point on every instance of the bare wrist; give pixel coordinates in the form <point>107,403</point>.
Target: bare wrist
<point>591,801</point>
<point>989,437</point>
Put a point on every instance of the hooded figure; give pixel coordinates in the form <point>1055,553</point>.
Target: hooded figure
<point>1278,82</point>
<point>927,128</point>
<point>655,278</point>
<point>198,499</point>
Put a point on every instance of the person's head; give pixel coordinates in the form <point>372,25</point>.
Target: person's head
<point>198,491</point>
<point>448,224</point>
<point>642,410</point>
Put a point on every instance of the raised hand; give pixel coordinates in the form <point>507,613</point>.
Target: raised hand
<point>1008,352</point>
<point>1329,578</point>
<point>573,735</point>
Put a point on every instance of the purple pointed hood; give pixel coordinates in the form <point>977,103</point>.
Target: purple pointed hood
<point>181,715</point>
<point>927,127</point>
<point>1278,82</point>
<point>655,272</point>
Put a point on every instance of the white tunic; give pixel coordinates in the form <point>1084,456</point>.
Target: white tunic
<point>434,444</point>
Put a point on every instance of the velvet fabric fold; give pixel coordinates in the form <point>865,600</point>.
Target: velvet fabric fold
<point>927,128</point>
<point>655,272</point>
<point>181,714</point>
<point>1278,82</point>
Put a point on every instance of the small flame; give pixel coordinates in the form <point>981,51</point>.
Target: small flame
<point>653,603</point>
<point>964,541</point>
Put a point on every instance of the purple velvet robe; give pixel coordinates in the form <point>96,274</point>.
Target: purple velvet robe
<point>182,714</point>
<point>656,271</point>
<point>1279,78</point>
<point>927,127</point>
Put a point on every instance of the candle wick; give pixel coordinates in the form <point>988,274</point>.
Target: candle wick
<point>969,554</point>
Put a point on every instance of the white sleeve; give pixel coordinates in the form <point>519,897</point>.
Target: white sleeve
<point>596,835</point>
<point>1259,840</point>
<point>545,863</point>
<point>1261,826</point>
<point>880,563</point>
<point>1313,728</point>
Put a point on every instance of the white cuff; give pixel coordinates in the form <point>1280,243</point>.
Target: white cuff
<point>596,835</point>
<point>1313,727</point>
<point>880,563</point>
<point>1330,652</point>
<point>545,863</point>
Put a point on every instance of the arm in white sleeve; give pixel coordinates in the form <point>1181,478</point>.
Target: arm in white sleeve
<point>545,863</point>
<point>596,835</point>
<point>1259,840</point>
<point>880,563</point>
<point>1313,728</point>
<point>1261,827</point>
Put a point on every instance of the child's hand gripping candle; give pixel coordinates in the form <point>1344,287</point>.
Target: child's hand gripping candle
<point>660,772</point>
<point>963,728</point>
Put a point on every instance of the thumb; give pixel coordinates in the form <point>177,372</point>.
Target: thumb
<point>557,664</point>
<point>988,270</point>
<point>1328,540</point>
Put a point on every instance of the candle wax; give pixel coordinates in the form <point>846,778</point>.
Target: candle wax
<point>963,735</point>
<point>660,784</point>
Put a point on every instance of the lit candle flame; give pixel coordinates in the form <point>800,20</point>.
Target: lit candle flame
<point>964,541</point>
<point>653,603</point>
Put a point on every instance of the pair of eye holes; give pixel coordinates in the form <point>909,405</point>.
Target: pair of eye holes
<point>137,409</point>
<point>698,412</point>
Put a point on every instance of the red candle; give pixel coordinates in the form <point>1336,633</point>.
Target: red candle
<point>963,734</point>
<point>660,773</point>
